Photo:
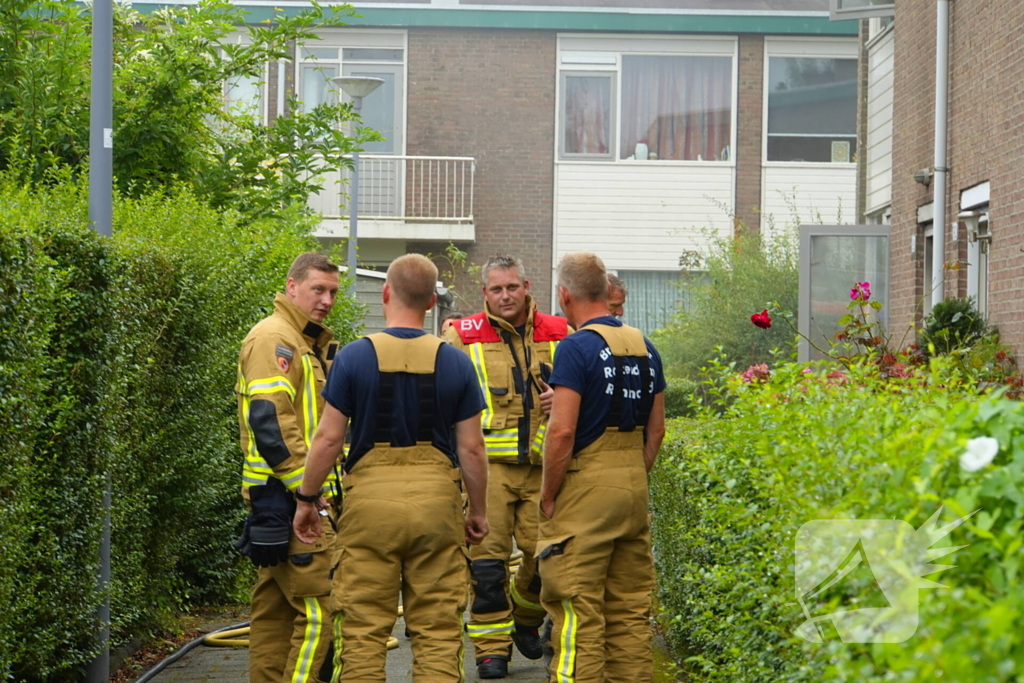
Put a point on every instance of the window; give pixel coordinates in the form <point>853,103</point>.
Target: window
<point>812,109</point>
<point>860,9</point>
<point>587,115</point>
<point>382,110</point>
<point>243,96</point>
<point>676,108</point>
<point>646,99</point>
<point>655,297</point>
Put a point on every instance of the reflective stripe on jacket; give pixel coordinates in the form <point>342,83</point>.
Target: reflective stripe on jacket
<point>282,370</point>
<point>508,370</point>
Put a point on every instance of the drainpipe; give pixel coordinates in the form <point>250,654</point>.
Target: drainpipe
<point>941,171</point>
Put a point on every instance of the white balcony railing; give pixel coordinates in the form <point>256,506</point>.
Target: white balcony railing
<point>402,188</point>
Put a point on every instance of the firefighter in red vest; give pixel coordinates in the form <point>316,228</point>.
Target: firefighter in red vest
<point>512,346</point>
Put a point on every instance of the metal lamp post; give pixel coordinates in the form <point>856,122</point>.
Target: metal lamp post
<point>356,87</point>
<point>101,201</point>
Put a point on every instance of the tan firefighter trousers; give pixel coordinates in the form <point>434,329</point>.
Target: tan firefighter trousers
<point>596,564</point>
<point>513,498</point>
<point>402,528</point>
<point>290,630</point>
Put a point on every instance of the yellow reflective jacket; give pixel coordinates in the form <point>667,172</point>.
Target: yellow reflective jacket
<point>281,371</point>
<point>508,367</point>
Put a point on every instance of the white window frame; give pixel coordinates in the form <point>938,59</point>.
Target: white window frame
<point>613,131</point>
<point>837,13</point>
<point>242,38</point>
<point>974,212</point>
<point>584,54</point>
<point>806,48</point>
<point>341,39</point>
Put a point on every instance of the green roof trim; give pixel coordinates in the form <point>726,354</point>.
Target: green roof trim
<point>573,21</point>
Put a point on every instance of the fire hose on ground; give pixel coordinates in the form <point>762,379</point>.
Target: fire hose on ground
<point>236,635</point>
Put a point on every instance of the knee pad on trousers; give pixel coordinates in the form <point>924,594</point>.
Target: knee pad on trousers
<point>327,668</point>
<point>489,586</point>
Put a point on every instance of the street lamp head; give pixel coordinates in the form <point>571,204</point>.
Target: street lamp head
<point>357,87</point>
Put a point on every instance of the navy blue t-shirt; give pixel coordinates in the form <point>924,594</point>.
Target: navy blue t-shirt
<point>353,384</point>
<point>584,363</point>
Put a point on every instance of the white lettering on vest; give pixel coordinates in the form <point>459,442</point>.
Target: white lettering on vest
<point>605,353</point>
<point>610,390</point>
<point>609,373</point>
<point>468,324</point>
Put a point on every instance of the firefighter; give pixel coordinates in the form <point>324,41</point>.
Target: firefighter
<point>594,546</point>
<point>281,370</point>
<point>415,440</point>
<point>512,346</point>
<point>617,292</point>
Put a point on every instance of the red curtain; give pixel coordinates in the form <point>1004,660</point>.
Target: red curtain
<point>681,107</point>
<point>587,114</point>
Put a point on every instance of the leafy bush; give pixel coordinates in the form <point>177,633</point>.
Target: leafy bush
<point>737,277</point>
<point>730,494</point>
<point>121,354</point>
<point>953,324</point>
<point>170,119</point>
<point>679,397</point>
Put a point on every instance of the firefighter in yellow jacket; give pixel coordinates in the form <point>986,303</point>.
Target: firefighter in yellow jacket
<point>594,546</point>
<point>281,372</point>
<point>415,440</point>
<point>512,346</point>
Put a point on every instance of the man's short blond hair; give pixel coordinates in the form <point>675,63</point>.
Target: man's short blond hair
<point>413,279</point>
<point>583,274</point>
<point>310,260</point>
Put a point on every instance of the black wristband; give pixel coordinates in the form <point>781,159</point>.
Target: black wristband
<point>306,499</point>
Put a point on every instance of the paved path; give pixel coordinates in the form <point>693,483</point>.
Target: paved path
<point>231,665</point>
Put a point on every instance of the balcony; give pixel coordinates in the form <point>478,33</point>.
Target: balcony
<point>402,198</point>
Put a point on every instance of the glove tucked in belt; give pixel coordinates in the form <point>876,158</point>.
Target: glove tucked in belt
<point>269,526</point>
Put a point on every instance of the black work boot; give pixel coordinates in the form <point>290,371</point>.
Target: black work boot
<point>494,666</point>
<point>527,640</point>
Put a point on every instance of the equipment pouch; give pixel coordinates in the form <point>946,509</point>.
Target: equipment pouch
<point>556,563</point>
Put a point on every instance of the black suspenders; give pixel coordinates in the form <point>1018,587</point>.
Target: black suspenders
<point>426,408</point>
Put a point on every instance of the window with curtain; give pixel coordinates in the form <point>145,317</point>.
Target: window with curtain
<point>812,109</point>
<point>243,96</point>
<point>655,296</point>
<point>676,108</point>
<point>587,115</point>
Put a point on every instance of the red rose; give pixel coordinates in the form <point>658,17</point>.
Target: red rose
<point>761,319</point>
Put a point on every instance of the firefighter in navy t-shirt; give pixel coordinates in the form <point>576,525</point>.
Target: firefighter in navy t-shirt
<point>415,410</point>
<point>594,544</point>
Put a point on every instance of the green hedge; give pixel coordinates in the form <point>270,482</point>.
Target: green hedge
<point>121,354</point>
<point>730,494</point>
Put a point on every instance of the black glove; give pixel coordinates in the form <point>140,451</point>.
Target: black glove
<point>269,526</point>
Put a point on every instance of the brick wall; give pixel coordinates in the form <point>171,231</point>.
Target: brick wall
<point>985,143</point>
<point>490,94</point>
<point>750,108</point>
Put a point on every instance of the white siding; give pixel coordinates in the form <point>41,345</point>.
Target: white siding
<point>879,139</point>
<point>640,216</point>
<point>822,194</point>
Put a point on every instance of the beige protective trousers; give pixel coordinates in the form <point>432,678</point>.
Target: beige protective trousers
<point>596,565</point>
<point>513,499</point>
<point>402,528</point>
<point>290,630</point>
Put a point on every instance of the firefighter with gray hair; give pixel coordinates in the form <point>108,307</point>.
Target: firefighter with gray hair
<point>512,347</point>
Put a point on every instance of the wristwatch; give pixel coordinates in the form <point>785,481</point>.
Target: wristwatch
<point>307,499</point>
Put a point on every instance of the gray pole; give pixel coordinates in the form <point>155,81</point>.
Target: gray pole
<point>101,119</point>
<point>101,210</point>
<point>353,210</point>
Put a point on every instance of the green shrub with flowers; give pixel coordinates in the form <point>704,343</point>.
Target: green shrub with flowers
<point>883,434</point>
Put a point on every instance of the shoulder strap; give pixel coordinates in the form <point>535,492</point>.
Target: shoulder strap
<point>623,342</point>
<point>416,356</point>
<point>395,356</point>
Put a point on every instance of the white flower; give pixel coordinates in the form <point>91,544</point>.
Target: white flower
<point>980,452</point>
